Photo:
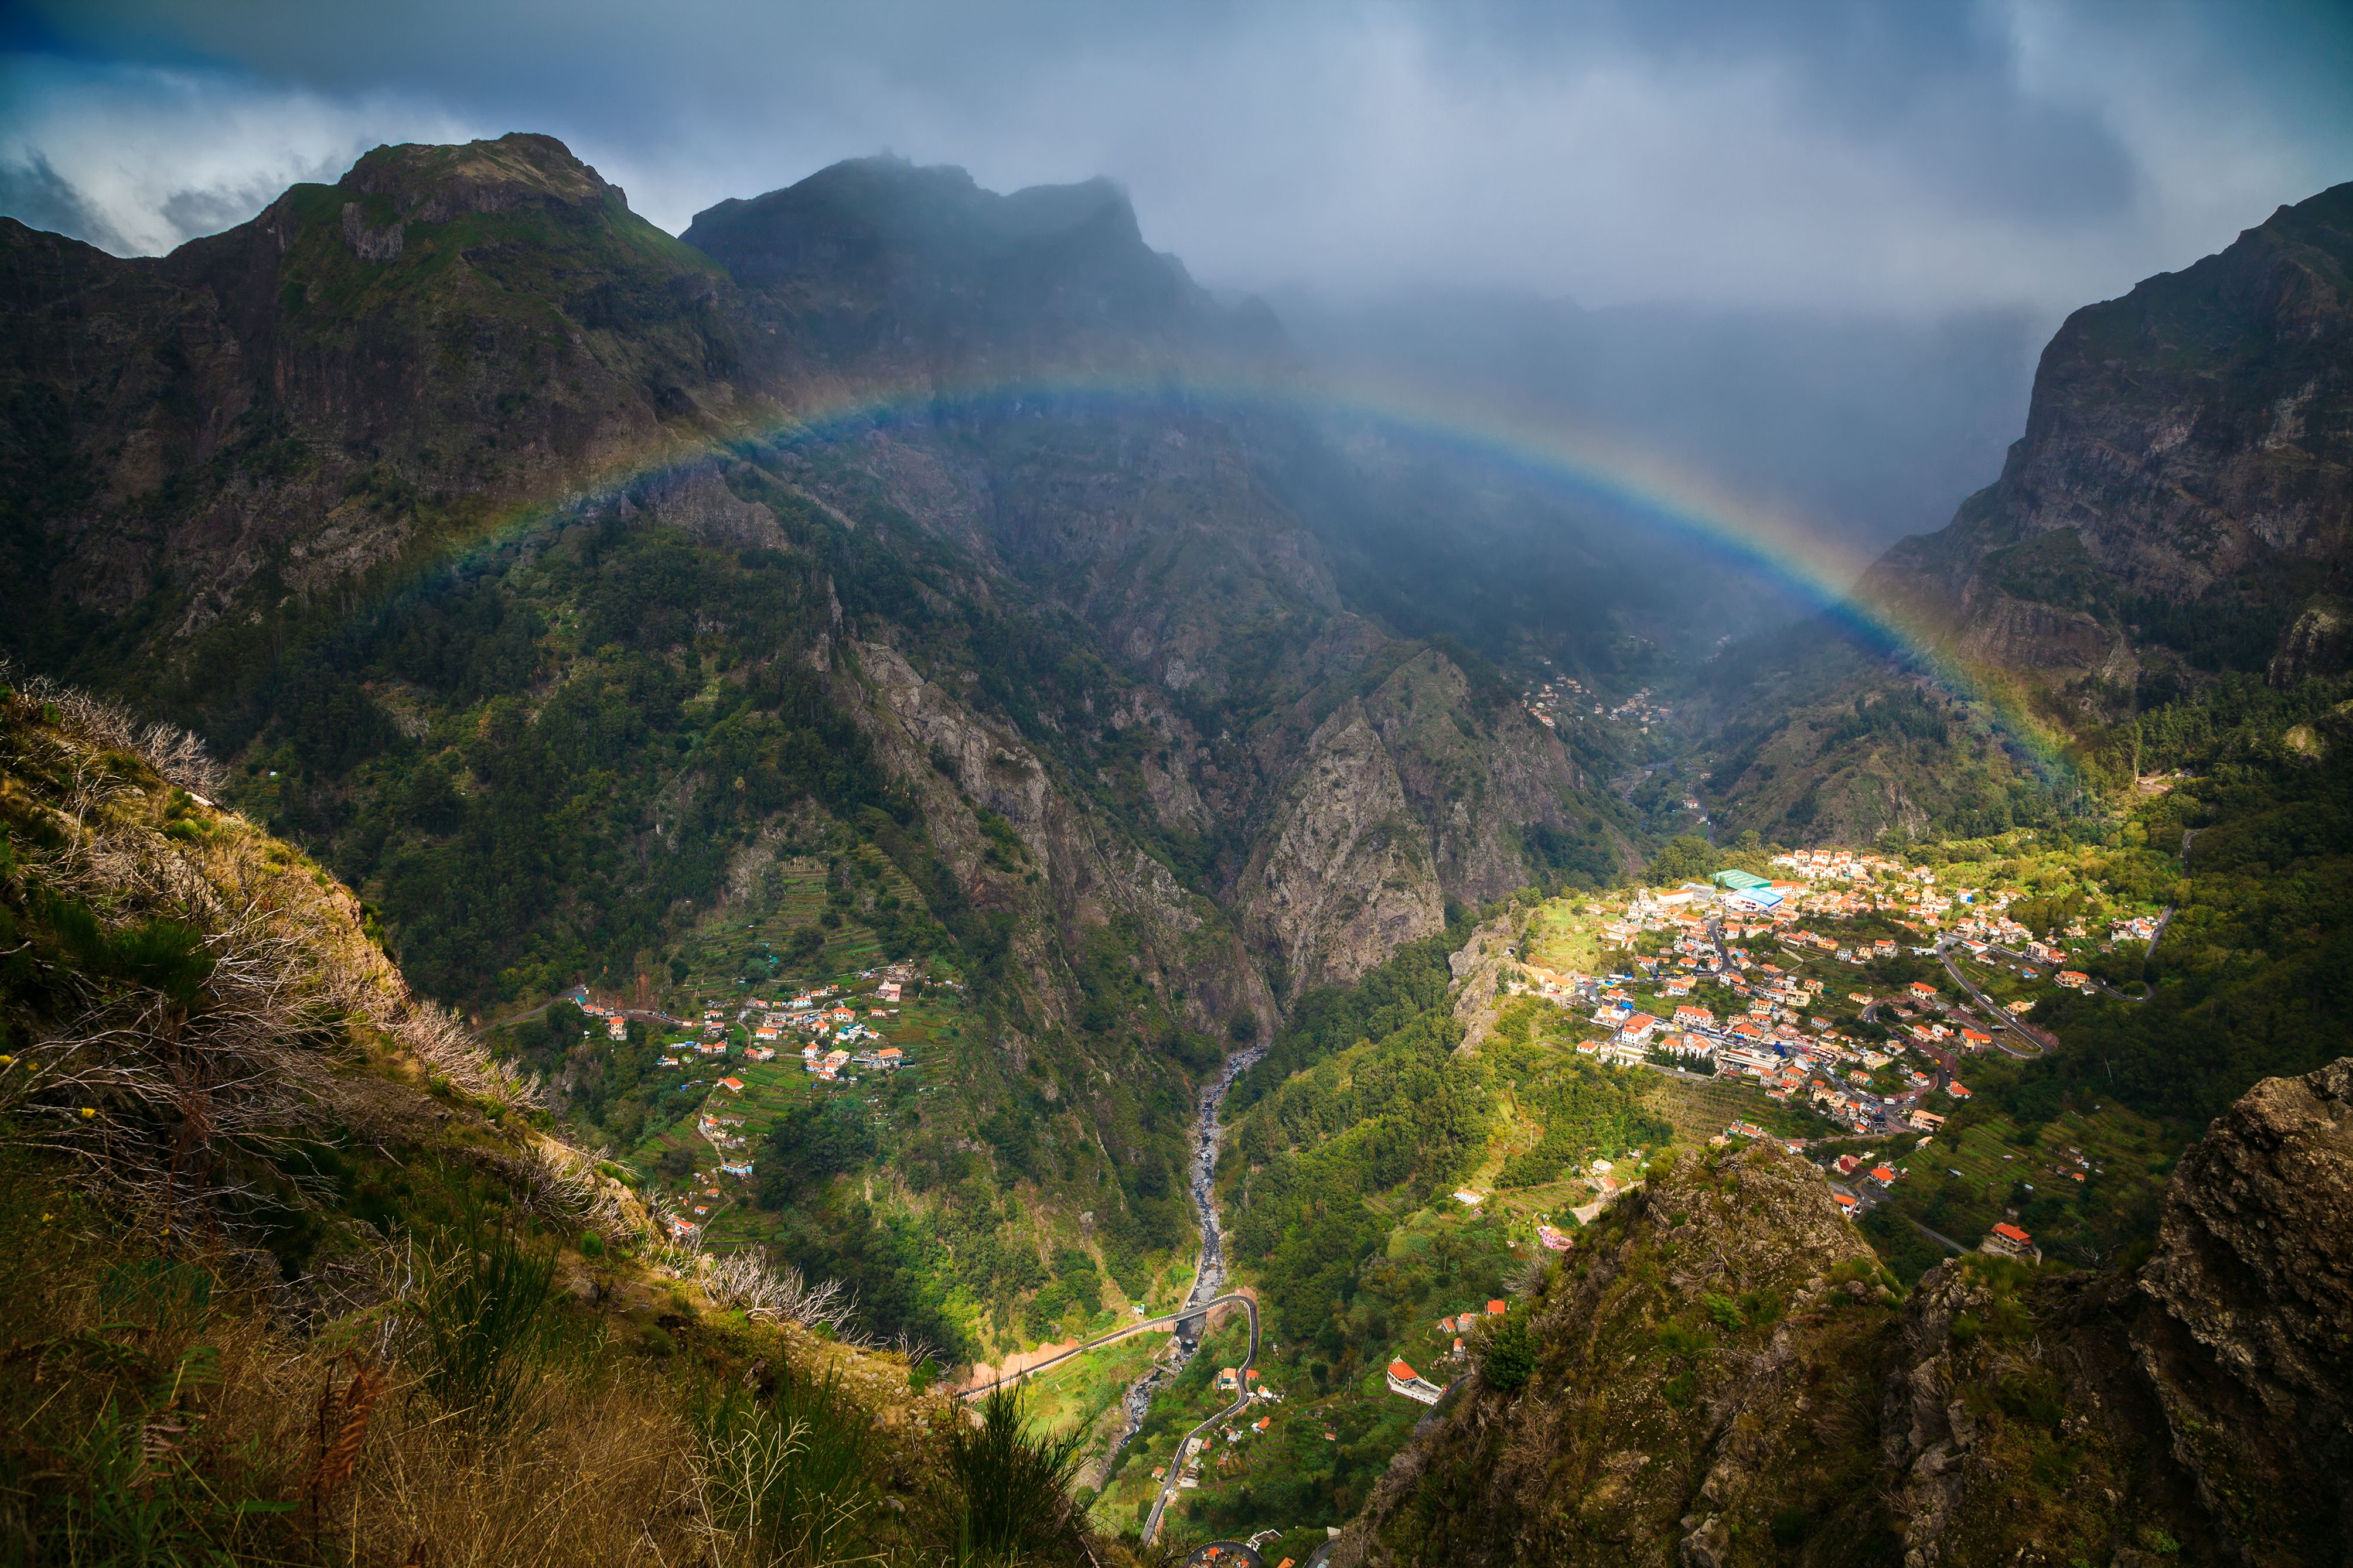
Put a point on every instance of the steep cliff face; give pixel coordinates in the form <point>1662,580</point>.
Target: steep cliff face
<point>2198,1408</point>
<point>1402,799</point>
<point>1075,877</point>
<point>2180,506</point>
<point>2188,444</point>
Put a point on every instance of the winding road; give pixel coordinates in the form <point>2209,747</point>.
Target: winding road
<point>2002,1016</point>
<point>1241,1402</point>
<point>1190,1321</point>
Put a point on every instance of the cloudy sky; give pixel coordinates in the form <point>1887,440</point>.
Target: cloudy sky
<point>1911,156</point>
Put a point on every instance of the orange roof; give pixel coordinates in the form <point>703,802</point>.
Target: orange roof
<point>1402,1373</point>
<point>2012,1233</point>
<point>1882,1173</point>
<point>1495,1309</point>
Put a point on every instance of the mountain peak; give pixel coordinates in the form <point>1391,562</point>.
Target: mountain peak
<point>522,169</point>
<point>921,266</point>
<point>927,215</point>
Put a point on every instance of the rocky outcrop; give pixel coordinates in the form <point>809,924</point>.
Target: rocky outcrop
<point>2198,1409</point>
<point>1708,1365</point>
<point>1343,874</point>
<point>2245,1326</point>
<point>1479,968</point>
<point>2191,439</point>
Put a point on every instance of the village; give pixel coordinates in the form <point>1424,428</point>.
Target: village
<point>1565,700</point>
<point>835,1033</point>
<point>1857,986</point>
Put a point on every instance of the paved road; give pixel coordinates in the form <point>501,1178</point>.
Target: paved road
<point>1150,1325</point>
<point>1939,1236</point>
<point>2002,1018</point>
<point>1241,1402</point>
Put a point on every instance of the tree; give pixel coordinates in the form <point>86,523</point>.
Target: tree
<point>1682,857</point>
<point>1509,1357</point>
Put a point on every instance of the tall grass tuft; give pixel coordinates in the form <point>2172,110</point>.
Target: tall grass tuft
<point>1014,1490</point>
<point>788,1481</point>
<point>482,1326</point>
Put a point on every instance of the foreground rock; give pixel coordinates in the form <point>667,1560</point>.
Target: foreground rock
<point>1725,1378</point>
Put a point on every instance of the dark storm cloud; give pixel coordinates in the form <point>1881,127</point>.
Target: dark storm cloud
<point>1892,157</point>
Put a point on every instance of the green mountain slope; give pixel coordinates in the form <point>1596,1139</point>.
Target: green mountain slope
<point>298,1274</point>
<point>466,515</point>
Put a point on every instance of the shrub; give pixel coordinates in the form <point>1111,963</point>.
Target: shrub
<point>1509,1357</point>
<point>1013,1489</point>
<point>789,1480</point>
<point>483,1322</point>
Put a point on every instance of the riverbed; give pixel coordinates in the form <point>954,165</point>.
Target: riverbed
<point>1209,1276</point>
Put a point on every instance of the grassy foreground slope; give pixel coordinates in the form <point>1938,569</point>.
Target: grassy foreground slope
<point>295,1273</point>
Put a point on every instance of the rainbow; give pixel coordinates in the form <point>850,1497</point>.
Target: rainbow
<point>1778,546</point>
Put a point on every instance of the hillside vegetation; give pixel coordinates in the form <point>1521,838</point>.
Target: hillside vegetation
<point>297,1273</point>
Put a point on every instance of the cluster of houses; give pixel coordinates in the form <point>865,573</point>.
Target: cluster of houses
<point>1564,699</point>
<point>1783,1039</point>
<point>834,1032</point>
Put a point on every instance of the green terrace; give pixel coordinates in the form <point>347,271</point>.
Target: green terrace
<point>2122,1158</point>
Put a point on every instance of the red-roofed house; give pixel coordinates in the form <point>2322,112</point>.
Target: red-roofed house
<point>2006,1240</point>
<point>1403,1379</point>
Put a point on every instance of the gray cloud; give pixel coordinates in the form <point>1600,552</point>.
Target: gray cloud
<point>1818,154</point>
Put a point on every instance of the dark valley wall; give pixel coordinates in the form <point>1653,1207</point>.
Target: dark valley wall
<point>2184,489</point>
<point>2179,510</point>
<point>310,484</point>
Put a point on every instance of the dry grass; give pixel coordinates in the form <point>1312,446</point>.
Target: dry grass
<point>599,1468</point>
<point>152,1413</point>
<point>204,1016</point>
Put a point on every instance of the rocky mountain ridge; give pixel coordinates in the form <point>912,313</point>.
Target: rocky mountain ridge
<point>2178,509</point>
<point>2190,444</point>
<point>460,376</point>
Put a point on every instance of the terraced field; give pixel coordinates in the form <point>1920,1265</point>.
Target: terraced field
<point>740,951</point>
<point>2128,1158</point>
<point>1564,940</point>
<point>1701,1111</point>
